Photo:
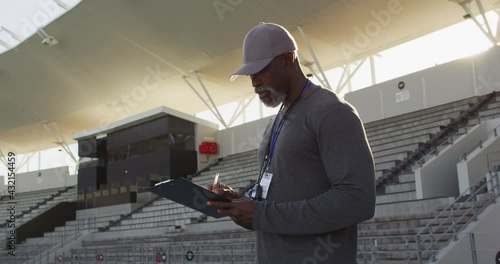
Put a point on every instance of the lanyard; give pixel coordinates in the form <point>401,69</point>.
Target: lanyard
<point>276,132</point>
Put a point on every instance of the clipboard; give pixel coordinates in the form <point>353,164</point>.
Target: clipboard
<point>189,194</point>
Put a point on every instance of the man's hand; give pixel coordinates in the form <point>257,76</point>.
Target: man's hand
<point>239,209</point>
<point>222,190</point>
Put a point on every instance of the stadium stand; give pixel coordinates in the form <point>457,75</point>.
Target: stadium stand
<point>239,170</point>
<point>457,127</point>
<point>165,229</point>
<point>30,205</point>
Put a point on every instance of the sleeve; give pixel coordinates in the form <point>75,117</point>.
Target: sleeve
<point>348,162</point>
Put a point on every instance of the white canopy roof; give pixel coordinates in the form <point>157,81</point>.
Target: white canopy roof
<point>118,58</point>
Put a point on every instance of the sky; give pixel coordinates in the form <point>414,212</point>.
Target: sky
<point>24,17</point>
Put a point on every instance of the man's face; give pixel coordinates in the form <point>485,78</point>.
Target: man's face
<point>266,84</point>
<point>270,96</point>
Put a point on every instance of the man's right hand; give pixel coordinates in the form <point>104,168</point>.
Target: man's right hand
<point>222,190</point>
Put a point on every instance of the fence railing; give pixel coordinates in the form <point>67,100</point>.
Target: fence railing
<point>171,253</point>
<point>83,226</point>
<point>375,250</point>
<point>481,246</point>
<point>446,226</point>
<point>418,249</point>
<point>44,250</point>
<point>463,156</point>
<point>479,144</point>
<point>435,150</point>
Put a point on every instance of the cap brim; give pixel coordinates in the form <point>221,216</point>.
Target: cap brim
<point>251,68</point>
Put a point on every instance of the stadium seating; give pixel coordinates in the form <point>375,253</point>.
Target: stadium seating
<point>164,227</point>
<point>392,141</point>
<point>29,205</point>
<point>28,202</point>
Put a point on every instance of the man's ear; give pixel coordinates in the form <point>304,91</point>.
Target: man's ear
<point>290,57</point>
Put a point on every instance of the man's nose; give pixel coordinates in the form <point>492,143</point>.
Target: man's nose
<point>255,80</point>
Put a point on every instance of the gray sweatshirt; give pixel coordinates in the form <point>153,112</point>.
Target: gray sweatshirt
<point>323,185</point>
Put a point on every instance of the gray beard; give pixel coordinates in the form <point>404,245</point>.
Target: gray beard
<point>273,98</point>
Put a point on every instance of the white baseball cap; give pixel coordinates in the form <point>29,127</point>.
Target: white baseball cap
<point>261,45</point>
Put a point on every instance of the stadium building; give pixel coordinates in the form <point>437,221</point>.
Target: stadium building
<point>101,100</point>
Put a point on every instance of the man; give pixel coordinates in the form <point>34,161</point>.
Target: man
<point>316,180</point>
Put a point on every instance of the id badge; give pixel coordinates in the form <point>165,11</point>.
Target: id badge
<point>265,182</point>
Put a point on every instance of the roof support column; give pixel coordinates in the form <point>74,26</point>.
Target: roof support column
<point>372,70</point>
<point>12,34</point>
<point>62,4</point>
<point>306,41</point>
<point>309,65</point>
<point>486,23</point>
<point>498,26</point>
<point>350,75</point>
<point>344,72</point>
<point>485,28</point>
<point>22,162</point>
<point>213,108</point>
<point>26,158</point>
<point>53,130</point>
<point>3,159</point>
<point>5,44</point>
<point>239,111</point>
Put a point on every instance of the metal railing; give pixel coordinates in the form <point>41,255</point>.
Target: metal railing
<point>479,144</point>
<point>418,249</point>
<point>446,226</point>
<point>170,253</point>
<point>83,227</point>
<point>44,251</point>
<point>403,249</point>
<point>374,250</point>
<point>435,151</point>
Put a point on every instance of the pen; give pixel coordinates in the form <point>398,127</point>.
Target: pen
<point>216,179</point>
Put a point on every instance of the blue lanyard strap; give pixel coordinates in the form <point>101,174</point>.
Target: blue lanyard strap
<point>272,143</point>
<point>277,130</point>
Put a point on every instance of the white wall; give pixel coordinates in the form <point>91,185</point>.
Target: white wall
<point>446,175</point>
<point>449,82</point>
<point>487,240</point>
<point>476,165</point>
<point>44,179</point>
<point>201,132</point>
<point>438,176</point>
<point>242,138</point>
<point>3,187</point>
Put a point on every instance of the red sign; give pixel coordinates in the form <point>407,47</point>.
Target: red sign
<point>208,148</point>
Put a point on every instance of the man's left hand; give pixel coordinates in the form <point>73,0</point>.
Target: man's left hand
<point>239,209</point>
